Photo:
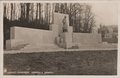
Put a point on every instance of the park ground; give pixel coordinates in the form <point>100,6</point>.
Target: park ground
<point>100,62</point>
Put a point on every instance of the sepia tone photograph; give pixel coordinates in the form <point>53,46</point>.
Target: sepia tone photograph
<point>52,38</point>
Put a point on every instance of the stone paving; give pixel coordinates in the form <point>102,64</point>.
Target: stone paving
<point>54,48</point>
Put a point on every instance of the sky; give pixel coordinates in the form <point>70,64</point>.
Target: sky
<point>105,13</point>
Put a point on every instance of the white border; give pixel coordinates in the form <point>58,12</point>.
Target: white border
<point>55,76</point>
<point>1,39</point>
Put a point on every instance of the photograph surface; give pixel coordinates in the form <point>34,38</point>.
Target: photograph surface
<point>65,38</point>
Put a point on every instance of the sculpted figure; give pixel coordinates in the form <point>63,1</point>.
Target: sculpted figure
<point>64,21</point>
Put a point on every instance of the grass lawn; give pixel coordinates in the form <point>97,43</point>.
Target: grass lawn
<point>64,63</point>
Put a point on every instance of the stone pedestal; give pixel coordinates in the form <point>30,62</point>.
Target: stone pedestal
<point>67,39</point>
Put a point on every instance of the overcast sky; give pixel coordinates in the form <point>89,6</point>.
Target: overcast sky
<point>105,13</point>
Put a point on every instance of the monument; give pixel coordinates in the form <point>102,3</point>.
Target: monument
<point>64,34</point>
<point>60,35</point>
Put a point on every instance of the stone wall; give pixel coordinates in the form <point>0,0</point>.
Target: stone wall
<point>86,38</point>
<point>34,35</point>
<point>30,36</point>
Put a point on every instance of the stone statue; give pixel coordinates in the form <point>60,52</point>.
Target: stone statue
<point>64,21</point>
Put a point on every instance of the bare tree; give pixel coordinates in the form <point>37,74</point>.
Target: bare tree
<point>88,19</point>
<point>39,12</point>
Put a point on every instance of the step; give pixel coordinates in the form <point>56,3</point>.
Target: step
<point>40,47</point>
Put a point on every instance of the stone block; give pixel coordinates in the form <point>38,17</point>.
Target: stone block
<point>57,20</point>
<point>67,40</point>
<point>14,43</point>
<point>55,29</point>
<point>86,38</point>
<point>33,36</point>
<point>70,29</point>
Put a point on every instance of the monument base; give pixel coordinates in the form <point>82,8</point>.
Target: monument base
<point>15,44</point>
<point>67,39</point>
